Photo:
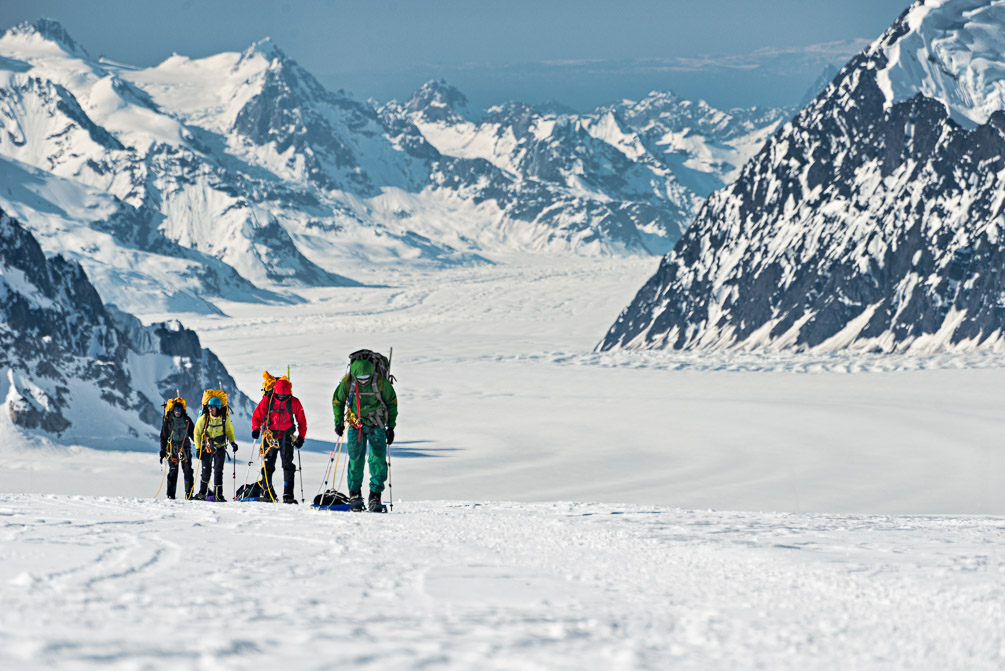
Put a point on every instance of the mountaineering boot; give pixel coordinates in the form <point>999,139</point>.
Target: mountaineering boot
<point>201,496</point>
<point>218,495</point>
<point>374,505</point>
<point>356,502</point>
<point>289,498</point>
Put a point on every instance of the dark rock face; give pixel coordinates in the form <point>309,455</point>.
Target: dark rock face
<point>857,225</point>
<point>55,333</point>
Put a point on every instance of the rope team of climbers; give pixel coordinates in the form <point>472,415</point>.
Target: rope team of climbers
<point>365,408</point>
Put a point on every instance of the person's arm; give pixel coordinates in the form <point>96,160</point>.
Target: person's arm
<point>258,416</point>
<point>338,401</point>
<point>200,428</point>
<point>391,401</point>
<point>164,434</point>
<point>298,412</point>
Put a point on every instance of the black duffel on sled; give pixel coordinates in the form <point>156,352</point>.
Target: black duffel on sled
<point>331,500</point>
<point>255,492</point>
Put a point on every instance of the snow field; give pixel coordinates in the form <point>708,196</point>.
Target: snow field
<point>506,416</point>
<point>118,583</point>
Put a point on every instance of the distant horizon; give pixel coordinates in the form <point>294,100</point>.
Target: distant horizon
<point>581,54</point>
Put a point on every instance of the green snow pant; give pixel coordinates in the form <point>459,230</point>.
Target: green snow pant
<point>358,439</point>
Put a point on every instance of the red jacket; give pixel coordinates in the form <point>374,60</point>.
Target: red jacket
<point>281,413</point>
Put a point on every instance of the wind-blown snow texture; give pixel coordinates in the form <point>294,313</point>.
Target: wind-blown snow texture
<point>239,177</point>
<point>81,373</point>
<point>871,221</point>
<point>99,582</point>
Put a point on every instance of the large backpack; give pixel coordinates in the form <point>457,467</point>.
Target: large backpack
<point>214,393</point>
<point>381,370</point>
<point>381,364</point>
<point>169,406</point>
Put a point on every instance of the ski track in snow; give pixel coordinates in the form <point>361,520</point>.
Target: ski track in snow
<point>126,583</point>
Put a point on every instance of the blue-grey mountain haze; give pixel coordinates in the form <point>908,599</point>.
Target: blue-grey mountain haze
<point>582,53</point>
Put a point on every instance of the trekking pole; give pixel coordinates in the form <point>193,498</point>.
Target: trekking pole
<point>300,466</point>
<point>390,485</point>
<point>235,473</point>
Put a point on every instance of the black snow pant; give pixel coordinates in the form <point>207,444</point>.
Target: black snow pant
<point>183,457</point>
<point>213,462</point>
<point>289,469</point>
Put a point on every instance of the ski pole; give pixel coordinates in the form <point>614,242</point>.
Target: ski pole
<point>300,467</point>
<point>390,485</point>
<point>235,472</point>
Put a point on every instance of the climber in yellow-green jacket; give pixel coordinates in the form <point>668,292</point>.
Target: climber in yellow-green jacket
<point>213,431</point>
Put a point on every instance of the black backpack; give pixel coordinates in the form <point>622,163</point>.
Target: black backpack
<point>381,364</point>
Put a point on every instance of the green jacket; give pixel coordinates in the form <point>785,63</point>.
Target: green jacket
<point>215,428</point>
<point>370,406</point>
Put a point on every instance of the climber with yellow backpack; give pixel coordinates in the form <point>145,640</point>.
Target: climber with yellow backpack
<point>176,444</point>
<point>213,431</point>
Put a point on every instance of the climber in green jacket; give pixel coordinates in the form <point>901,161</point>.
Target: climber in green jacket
<point>367,400</point>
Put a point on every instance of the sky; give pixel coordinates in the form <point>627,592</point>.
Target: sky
<point>582,53</point>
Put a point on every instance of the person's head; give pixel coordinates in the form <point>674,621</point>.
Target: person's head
<point>215,406</point>
<point>177,410</point>
<point>361,370</point>
<point>283,389</point>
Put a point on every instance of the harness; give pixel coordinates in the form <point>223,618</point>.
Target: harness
<point>274,436</point>
<point>377,416</point>
<point>176,440</point>
<point>215,432</point>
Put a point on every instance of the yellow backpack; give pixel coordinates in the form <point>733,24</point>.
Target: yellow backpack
<point>169,406</point>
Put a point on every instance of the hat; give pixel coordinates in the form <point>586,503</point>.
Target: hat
<point>361,370</point>
<point>282,387</point>
<point>215,403</point>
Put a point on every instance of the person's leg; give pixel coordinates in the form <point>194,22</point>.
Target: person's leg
<point>268,471</point>
<point>206,459</point>
<point>186,467</point>
<point>357,458</point>
<point>172,477</point>
<point>289,469</point>
<point>378,460</point>
<point>219,462</point>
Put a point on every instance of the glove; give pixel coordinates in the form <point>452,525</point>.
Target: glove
<point>255,433</point>
<point>340,429</point>
<point>233,444</point>
<point>299,442</point>
<point>390,436</point>
<point>163,454</point>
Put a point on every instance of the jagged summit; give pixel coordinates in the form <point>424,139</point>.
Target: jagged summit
<point>872,221</point>
<point>46,30</point>
<point>266,49</point>
<point>952,51</point>
<point>436,100</point>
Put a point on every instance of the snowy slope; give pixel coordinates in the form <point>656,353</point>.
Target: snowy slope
<point>128,583</point>
<point>246,159</point>
<point>77,372</point>
<point>866,222</point>
<point>74,117</point>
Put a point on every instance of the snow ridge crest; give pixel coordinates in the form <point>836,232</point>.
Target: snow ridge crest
<point>952,51</point>
<point>46,30</point>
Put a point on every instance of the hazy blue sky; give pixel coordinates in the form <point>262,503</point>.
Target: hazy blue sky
<point>582,53</point>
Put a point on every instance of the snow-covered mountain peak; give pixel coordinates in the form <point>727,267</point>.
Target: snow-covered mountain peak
<point>950,50</point>
<point>42,37</point>
<point>264,48</point>
<point>437,101</point>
